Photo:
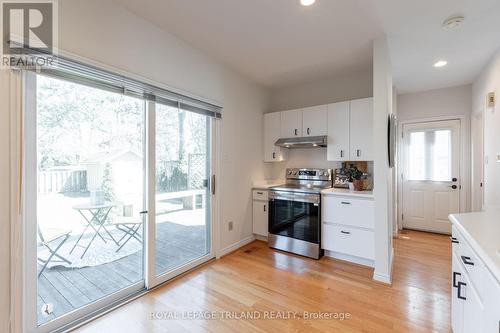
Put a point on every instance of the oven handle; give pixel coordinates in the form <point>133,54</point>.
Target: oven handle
<point>295,198</point>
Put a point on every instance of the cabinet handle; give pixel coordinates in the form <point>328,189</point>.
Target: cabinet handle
<point>260,193</point>
<point>467,260</point>
<point>345,232</point>
<point>274,156</point>
<point>341,153</point>
<point>345,203</point>
<point>308,131</point>
<point>358,153</point>
<point>455,274</point>
<point>264,207</point>
<point>296,132</point>
<point>459,290</point>
<point>454,240</point>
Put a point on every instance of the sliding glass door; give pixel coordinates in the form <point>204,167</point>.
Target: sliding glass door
<point>102,221</point>
<point>90,195</point>
<point>182,200</point>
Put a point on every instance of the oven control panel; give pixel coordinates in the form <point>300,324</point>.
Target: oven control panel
<point>309,174</point>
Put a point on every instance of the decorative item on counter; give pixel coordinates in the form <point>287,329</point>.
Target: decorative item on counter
<point>355,178</point>
<point>340,178</point>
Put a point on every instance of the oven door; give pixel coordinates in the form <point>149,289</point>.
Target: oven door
<point>295,215</point>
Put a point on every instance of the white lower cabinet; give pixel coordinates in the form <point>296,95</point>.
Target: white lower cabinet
<point>260,210</point>
<point>347,228</point>
<point>475,293</point>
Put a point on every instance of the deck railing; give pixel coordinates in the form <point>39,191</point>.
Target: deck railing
<point>62,181</point>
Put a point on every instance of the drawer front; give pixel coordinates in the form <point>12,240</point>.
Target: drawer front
<point>470,261</point>
<point>348,211</point>
<point>347,240</point>
<point>260,195</point>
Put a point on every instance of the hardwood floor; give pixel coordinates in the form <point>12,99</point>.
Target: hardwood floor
<point>260,280</point>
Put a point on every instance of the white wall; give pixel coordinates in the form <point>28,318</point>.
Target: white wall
<point>338,88</point>
<point>300,158</point>
<point>4,201</point>
<point>383,189</point>
<point>103,31</point>
<point>446,102</point>
<point>450,102</point>
<point>489,81</point>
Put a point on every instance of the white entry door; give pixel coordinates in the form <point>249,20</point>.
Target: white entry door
<point>431,169</point>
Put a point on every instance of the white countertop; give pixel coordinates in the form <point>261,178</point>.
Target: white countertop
<point>347,192</point>
<point>482,232</point>
<point>265,184</point>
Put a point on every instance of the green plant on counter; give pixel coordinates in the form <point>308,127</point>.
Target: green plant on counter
<point>353,173</point>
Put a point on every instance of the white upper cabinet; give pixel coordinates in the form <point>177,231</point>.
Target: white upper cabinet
<point>338,132</point>
<point>361,129</point>
<point>272,127</point>
<point>314,120</point>
<point>291,123</point>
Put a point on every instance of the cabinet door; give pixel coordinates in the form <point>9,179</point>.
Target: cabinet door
<point>338,132</point>
<point>457,304</point>
<point>291,123</point>
<point>491,303</point>
<point>473,308</point>
<point>361,129</point>
<point>260,215</point>
<point>314,120</point>
<point>272,126</point>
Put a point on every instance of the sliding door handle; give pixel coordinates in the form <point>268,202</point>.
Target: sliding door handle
<point>212,183</point>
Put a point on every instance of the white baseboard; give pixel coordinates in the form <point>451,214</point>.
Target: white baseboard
<point>261,238</point>
<point>235,246</point>
<point>346,257</point>
<point>384,278</point>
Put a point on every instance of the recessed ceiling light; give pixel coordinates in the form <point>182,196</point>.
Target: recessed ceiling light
<point>453,21</point>
<point>307,2</point>
<point>441,63</point>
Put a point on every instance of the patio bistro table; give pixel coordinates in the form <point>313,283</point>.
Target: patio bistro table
<point>95,220</point>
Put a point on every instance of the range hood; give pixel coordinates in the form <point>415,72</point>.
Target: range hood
<point>302,142</point>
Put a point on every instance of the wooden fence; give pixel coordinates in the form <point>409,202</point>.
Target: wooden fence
<point>62,181</point>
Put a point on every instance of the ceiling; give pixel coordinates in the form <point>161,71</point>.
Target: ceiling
<point>279,43</point>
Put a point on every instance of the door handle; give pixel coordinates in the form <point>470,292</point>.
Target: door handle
<point>467,261</point>
<point>143,212</point>
<point>459,290</point>
<point>213,184</point>
<point>454,179</point>
<point>264,207</point>
<point>454,187</point>
<point>455,274</point>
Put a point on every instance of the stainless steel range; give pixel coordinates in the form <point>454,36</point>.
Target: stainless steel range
<point>295,212</point>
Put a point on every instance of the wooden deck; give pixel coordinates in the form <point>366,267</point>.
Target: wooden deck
<point>68,289</point>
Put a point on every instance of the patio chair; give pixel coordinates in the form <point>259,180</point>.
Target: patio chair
<point>130,226</point>
<point>49,241</point>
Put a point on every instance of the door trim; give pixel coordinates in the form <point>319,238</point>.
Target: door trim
<point>464,163</point>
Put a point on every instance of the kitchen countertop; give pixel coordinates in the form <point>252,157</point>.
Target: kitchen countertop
<point>482,232</point>
<point>266,184</point>
<point>347,192</point>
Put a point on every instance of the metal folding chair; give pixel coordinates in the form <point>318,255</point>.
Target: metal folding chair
<point>52,235</point>
<point>130,226</point>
